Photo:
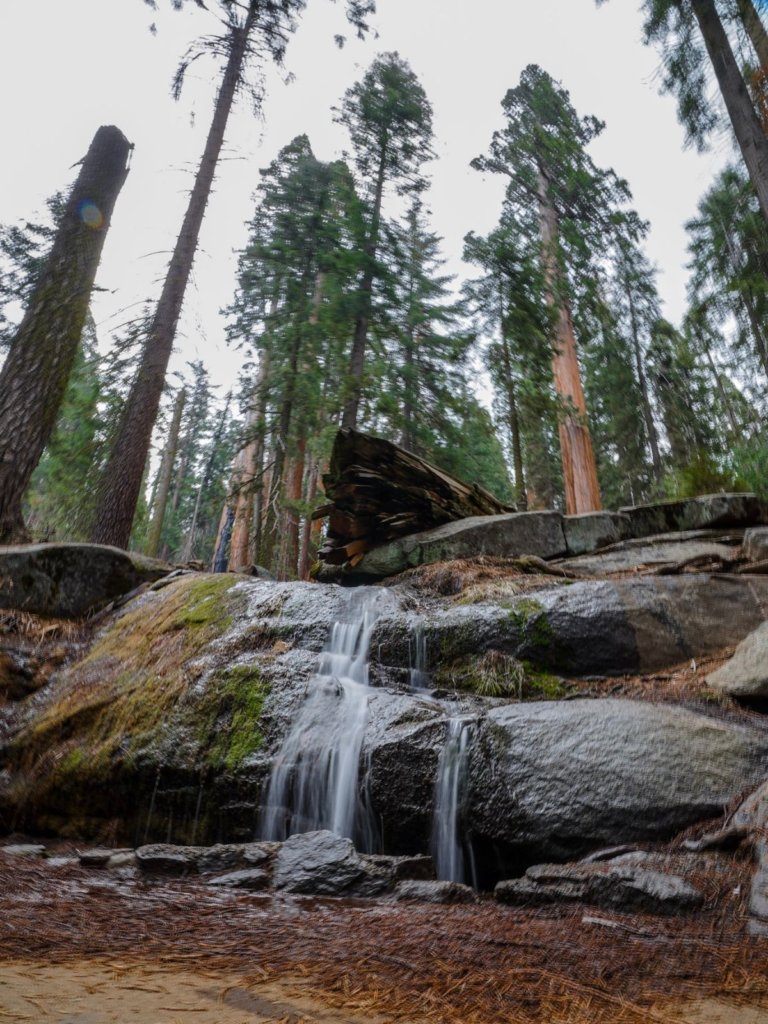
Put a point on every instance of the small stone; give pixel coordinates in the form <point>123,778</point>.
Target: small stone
<point>418,866</point>
<point>251,878</point>
<point>23,850</point>
<point>166,859</point>
<point>99,858</point>
<point>435,892</point>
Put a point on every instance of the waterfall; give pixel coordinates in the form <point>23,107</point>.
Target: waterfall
<point>315,778</point>
<point>417,645</point>
<point>447,843</point>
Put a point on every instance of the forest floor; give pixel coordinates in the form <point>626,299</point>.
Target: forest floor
<point>86,946</point>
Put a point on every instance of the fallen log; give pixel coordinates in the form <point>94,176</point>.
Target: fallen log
<point>378,492</point>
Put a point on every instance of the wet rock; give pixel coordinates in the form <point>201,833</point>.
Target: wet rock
<point>624,887</point>
<point>555,780</point>
<point>419,867</point>
<point>708,511</point>
<point>70,580</point>
<point>228,855</point>
<point>586,533</point>
<point>519,533</point>
<point>591,627</point>
<point>756,544</point>
<point>121,859</point>
<point>253,879</point>
<point>435,892</point>
<point>324,864</point>
<point>609,853</point>
<point>745,675</point>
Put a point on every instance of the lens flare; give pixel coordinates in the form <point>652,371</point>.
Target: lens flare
<point>90,214</point>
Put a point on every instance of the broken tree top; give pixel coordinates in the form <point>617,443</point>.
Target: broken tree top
<point>379,491</point>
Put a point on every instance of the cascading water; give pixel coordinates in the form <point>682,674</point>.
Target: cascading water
<point>315,778</point>
<point>448,848</point>
<point>417,644</point>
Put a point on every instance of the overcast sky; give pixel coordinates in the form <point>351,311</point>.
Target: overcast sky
<point>68,67</point>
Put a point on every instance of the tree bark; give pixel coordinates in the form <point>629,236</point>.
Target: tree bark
<point>582,491</point>
<point>746,125</point>
<point>34,377</point>
<point>121,482</point>
<point>164,477</point>
<point>360,339</point>
<point>307,525</point>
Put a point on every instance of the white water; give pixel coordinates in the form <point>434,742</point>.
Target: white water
<point>417,645</point>
<point>447,845</point>
<point>315,778</point>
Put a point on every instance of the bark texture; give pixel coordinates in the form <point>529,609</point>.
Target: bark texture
<point>34,377</point>
<point>582,490</point>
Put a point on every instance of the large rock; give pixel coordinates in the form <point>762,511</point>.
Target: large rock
<point>519,533</point>
<point>552,780</point>
<point>70,580</point>
<point>746,673</point>
<point>324,864</point>
<point>706,512</point>
<point>596,626</point>
<point>593,530</point>
<point>626,887</point>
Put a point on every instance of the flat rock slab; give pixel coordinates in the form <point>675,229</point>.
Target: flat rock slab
<point>706,512</point>
<point>503,536</point>
<point>166,858</point>
<point>665,549</point>
<point>745,675</point>
<point>614,887</point>
<point>561,779</point>
<point>253,879</point>
<point>70,581</point>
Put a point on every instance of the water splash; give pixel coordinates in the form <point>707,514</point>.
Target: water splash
<point>315,777</point>
<point>448,847</point>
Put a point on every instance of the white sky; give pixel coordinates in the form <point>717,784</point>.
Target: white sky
<point>67,66</point>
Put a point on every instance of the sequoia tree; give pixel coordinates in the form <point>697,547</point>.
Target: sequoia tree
<point>542,151</point>
<point>254,30</point>
<point>389,120</point>
<point>34,377</point>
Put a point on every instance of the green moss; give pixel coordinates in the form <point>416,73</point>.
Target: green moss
<point>131,692</point>
<point>235,701</point>
<point>496,674</point>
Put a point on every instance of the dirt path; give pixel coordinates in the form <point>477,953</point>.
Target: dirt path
<point>115,992</point>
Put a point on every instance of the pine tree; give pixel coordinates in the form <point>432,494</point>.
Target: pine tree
<point>34,378</point>
<point>389,120</point>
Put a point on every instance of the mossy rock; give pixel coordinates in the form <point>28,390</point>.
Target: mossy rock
<point>497,674</point>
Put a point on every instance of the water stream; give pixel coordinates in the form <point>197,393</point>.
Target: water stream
<point>315,778</point>
<point>453,858</point>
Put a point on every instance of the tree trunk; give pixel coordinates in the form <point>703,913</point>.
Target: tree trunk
<point>121,481</point>
<point>289,546</point>
<point>307,525</point>
<point>582,491</point>
<point>755,30</point>
<point>189,542</point>
<point>650,426</point>
<point>513,419</point>
<point>164,477</point>
<point>243,498</point>
<point>360,339</point>
<point>746,125</point>
<point>34,377</point>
